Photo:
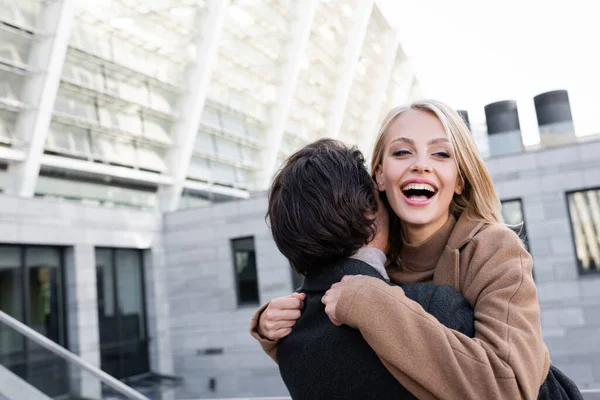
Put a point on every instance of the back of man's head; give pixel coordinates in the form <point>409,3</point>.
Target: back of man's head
<point>322,205</point>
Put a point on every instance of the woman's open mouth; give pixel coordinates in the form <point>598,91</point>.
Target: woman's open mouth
<point>418,194</point>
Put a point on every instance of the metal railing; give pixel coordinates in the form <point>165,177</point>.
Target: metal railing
<point>588,394</point>
<point>248,398</point>
<point>104,378</point>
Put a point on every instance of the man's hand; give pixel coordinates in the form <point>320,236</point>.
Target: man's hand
<point>331,297</point>
<point>280,316</point>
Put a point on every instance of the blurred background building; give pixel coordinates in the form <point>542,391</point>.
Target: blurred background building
<point>172,104</point>
<point>136,141</point>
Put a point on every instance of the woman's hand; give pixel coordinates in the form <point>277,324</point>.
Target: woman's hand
<point>331,297</point>
<point>280,316</point>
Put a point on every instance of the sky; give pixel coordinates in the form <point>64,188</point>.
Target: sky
<point>469,53</point>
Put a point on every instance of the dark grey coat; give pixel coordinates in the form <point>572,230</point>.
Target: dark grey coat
<point>319,360</point>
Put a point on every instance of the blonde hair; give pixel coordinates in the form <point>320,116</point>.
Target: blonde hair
<point>479,198</point>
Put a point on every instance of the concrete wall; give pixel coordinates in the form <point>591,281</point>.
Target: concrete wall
<point>203,300</point>
<point>81,228</point>
<point>201,285</point>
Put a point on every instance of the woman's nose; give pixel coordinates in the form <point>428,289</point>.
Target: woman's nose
<point>420,165</point>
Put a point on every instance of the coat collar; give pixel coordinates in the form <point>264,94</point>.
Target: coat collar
<point>464,231</point>
<point>447,270</point>
<point>321,280</point>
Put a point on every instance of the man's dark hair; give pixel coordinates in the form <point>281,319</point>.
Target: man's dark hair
<point>322,205</point>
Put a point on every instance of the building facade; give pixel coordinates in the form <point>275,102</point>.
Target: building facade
<point>174,104</point>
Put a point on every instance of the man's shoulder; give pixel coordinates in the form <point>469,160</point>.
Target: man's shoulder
<point>353,266</point>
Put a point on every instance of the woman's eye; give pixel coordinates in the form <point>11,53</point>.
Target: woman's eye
<point>442,154</point>
<point>399,153</point>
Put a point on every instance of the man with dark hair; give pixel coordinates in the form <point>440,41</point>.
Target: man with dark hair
<point>322,205</point>
<point>323,212</point>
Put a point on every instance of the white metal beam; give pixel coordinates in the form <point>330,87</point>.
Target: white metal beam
<point>360,22</point>
<point>125,173</point>
<point>47,56</point>
<point>191,105</point>
<point>390,53</point>
<point>305,13</point>
<point>217,189</point>
<point>10,154</point>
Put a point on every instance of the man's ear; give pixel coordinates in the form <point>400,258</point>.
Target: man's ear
<point>379,181</point>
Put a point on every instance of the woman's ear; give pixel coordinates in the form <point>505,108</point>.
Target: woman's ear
<point>460,186</point>
<point>379,179</point>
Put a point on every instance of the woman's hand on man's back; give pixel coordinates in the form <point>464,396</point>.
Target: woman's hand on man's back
<point>280,316</point>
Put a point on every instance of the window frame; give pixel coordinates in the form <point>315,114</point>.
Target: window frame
<point>524,238</point>
<point>244,303</point>
<point>118,314</point>
<point>581,271</point>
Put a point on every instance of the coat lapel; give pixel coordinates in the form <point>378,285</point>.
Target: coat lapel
<point>447,270</point>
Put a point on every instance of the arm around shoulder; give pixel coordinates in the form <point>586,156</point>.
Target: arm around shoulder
<point>507,357</point>
<point>268,346</point>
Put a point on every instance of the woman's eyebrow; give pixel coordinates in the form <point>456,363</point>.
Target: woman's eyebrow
<point>439,140</point>
<point>410,141</point>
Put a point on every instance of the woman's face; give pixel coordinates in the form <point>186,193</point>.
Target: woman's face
<point>418,173</point>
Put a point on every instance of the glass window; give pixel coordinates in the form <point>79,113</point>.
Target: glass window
<point>23,12</point>
<point>134,91</point>
<point>8,120</point>
<point>227,148</point>
<point>162,100</point>
<point>76,106</point>
<point>584,210</point>
<point>234,124</point>
<point>14,47</point>
<point>58,140</point>
<point>68,139</point>
<point>512,212</point>
<point>103,147</point>
<point>11,290</point>
<point>244,178</point>
<point>80,141</point>
<point>150,157</point>
<point>211,117</point>
<point>244,261</point>
<point>108,118</point>
<point>121,312</point>
<point>254,131</point>
<point>128,122</point>
<point>125,153</point>
<point>205,143</point>
<point>191,199</point>
<point>223,173</point>
<point>45,291</point>
<point>83,74</point>
<point>10,87</point>
<point>32,291</point>
<point>199,168</point>
<point>157,129</point>
<point>249,154</point>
